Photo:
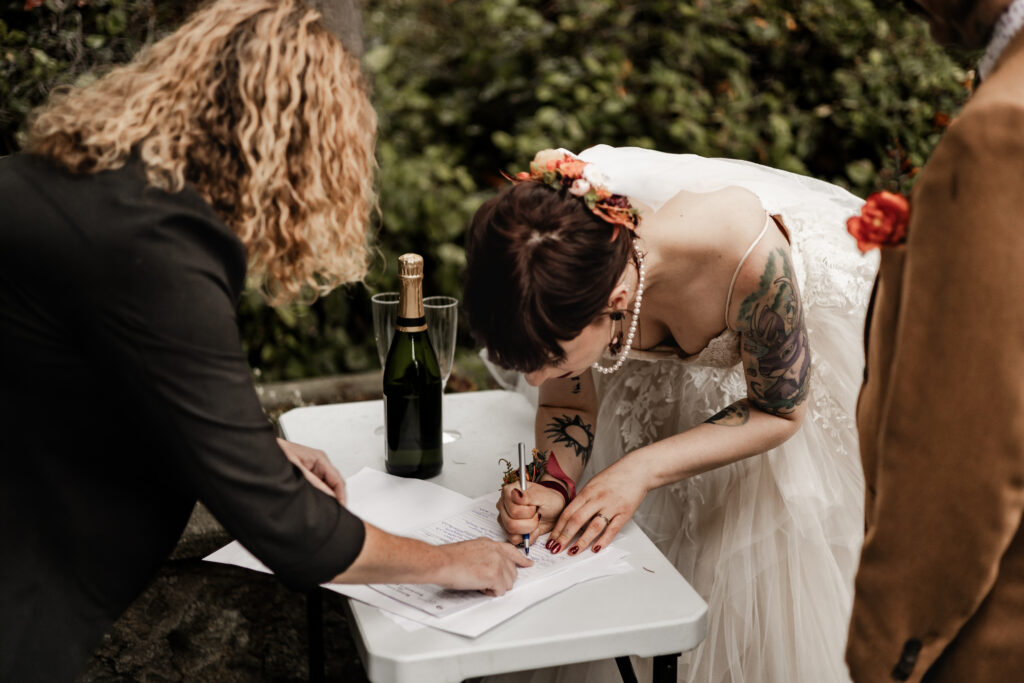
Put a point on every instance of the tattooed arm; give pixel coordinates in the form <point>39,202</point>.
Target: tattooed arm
<point>776,362</point>
<point>565,426</point>
<point>776,358</point>
<point>565,421</point>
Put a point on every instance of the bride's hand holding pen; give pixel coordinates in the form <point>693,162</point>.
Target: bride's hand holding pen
<point>532,511</point>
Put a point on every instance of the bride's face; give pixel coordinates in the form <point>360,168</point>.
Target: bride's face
<point>580,353</point>
<point>586,348</point>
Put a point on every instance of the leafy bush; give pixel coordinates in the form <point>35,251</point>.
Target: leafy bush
<point>60,42</point>
<point>844,91</point>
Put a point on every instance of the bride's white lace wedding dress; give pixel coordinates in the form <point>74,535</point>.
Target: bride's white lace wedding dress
<point>770,542</point>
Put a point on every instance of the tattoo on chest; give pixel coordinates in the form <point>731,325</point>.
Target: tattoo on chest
<point>576,387</point>
<point>776,354</point>
<point>731,416</point>
<point>572,432</point>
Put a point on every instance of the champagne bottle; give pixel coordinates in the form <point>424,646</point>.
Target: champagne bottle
<point>412,384</point>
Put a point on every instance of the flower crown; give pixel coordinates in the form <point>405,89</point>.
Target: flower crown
<point>560,169</point>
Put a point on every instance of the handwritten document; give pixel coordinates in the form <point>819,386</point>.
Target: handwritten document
<point>391,502</point>
<point>478,520</point>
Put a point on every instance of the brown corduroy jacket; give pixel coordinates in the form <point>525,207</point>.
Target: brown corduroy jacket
<point>939,593</point>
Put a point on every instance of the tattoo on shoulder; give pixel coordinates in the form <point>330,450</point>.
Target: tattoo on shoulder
<point>776,353</point>
<point>731,416</point>
<point>572,432</point>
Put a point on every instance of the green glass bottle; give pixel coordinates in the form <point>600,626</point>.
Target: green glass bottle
<point>412,384</point>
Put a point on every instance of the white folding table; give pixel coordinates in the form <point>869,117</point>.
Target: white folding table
<point>651,611</point>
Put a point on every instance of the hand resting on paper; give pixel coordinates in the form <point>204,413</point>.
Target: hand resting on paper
<point>532,511</point>
<point>317,469</point>
<point>480,564</point>
<point>601,508</point>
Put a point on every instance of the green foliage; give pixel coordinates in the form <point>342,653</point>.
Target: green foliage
<point>64,42</point>
<point>844,91</point>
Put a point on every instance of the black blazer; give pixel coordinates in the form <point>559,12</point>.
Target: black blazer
<point>124,398</point>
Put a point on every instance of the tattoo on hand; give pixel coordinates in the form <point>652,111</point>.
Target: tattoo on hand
<point>573,432</point>
<point>777,356</point>
<point>731,416</point>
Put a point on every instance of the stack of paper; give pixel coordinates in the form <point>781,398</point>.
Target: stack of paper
<point>391,502</point>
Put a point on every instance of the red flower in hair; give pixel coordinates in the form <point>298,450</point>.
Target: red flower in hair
<point>882,222</point>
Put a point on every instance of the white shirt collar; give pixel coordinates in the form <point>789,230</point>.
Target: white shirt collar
<point>1008,25</point>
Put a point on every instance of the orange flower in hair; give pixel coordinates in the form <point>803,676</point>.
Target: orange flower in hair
<point>561,170</point>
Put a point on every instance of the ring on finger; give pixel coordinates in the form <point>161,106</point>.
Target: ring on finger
<point>607,520</point>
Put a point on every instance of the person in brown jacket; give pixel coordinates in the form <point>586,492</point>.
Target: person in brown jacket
<point>939,594</point>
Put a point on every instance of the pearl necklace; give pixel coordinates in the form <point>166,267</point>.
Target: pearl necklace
<point>632,323</point>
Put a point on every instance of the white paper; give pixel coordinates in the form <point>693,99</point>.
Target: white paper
<point>476,521</point>
<point>398,504</point>
<point>390,503</point>
<point>472,623</point>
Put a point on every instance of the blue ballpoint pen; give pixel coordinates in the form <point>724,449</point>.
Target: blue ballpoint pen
<point>522,486</point>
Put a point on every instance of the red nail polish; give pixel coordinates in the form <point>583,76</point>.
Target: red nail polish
<point>550,543</point>
<point>573,550</point>
<point>558,546</point>
<point>596,548</point>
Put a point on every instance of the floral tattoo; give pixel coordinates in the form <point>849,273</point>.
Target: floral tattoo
<point>572,432</point>
<point>776,354</point>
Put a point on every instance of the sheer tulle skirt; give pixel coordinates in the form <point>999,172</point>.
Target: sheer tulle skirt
<point>770,542</point>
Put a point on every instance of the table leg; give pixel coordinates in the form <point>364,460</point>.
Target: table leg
<point>665,667</point>
<point>626,669</point>
<point>315,634</point>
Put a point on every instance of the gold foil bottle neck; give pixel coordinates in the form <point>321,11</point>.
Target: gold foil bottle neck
<point>410,265</point>
<point>410,297</point>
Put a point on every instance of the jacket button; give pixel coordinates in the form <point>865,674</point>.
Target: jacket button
<point>908,659</point>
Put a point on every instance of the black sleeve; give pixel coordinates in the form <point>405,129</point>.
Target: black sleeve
<point>162,320</point>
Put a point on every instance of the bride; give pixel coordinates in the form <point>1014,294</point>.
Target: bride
<point>695,329</point>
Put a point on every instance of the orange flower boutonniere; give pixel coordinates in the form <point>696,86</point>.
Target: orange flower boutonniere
<point>882,221</point>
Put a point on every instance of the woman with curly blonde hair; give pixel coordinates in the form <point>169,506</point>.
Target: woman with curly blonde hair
<point>263,112</point>
<point>241,143</point>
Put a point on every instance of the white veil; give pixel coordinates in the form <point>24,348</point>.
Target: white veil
<point>653,177</point>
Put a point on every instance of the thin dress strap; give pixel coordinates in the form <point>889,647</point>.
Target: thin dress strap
<point>750,249</point>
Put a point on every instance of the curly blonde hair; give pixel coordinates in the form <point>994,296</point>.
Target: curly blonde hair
<point>257,106</point>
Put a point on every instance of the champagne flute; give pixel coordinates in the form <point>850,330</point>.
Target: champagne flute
<point>442,314</point>
<point>384,307</point>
